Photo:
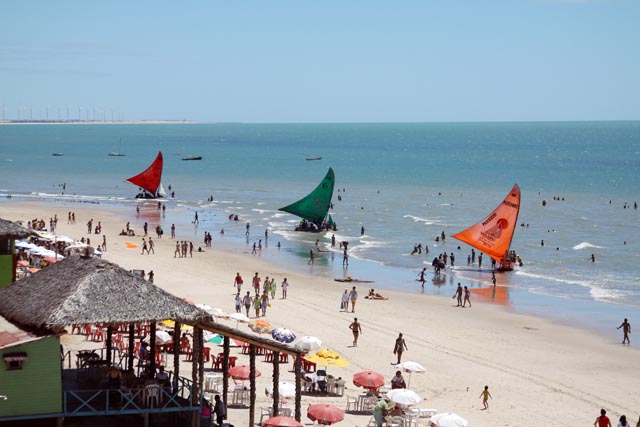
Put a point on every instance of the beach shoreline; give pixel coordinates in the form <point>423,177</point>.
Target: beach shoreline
<point>529,362</point>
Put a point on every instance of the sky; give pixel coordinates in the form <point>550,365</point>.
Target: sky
<point>321,61</point>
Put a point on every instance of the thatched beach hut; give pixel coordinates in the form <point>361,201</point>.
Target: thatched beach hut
<point>9,232</point>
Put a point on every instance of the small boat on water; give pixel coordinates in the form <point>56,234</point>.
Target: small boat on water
<point>493,235</point>
<point>192,158</point>
<point>116,154</point>
<point>314,207</point>
<point>313,158</point>
<point>57,154</point>
<point>149,180</point>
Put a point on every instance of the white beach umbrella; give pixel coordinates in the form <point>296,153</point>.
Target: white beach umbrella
<point>448,419</point>
<point>410,367</point>
<point>308,344</point>
<point>286,390</point>
<point>25,245</point>
<point>239,317</point>
<point>162,337</point>
<point>404,397</point>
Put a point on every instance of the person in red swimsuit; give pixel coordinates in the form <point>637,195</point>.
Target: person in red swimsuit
<point>602,420</point>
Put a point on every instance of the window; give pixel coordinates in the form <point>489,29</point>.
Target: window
<point>14,361</point>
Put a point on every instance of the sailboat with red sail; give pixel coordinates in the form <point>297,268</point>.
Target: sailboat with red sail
<point>494,233</point>
<point>149,180</point>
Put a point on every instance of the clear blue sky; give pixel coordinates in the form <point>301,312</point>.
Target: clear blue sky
<point>323,61</point>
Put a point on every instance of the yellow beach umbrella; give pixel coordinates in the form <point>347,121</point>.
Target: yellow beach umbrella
<point>171,324</point>
<point>326,357</point>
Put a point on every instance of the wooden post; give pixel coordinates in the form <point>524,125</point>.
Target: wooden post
<point>132,332</point>
<point>194,370</point>
<point>225,370</point>
<point>276,382</point>
<point>176,355</point>
<point>152,344</point>
<point>252,384</point>
<point>199,332</point>
<point>109,343</point>
<point>297,366</point>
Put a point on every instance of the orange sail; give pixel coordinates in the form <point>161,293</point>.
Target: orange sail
<point>149,179</point>
<point>493,234</point>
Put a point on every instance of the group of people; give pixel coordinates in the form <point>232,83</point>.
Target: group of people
<point>182,248</point>
<point>260,300</point>
<point>604,421</point>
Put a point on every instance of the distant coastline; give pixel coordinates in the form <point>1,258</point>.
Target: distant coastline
<point>93,122</point>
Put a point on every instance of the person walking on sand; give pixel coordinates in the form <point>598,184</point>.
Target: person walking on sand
<point>344,304</point>
<point>602,420</point>
<point>285,286</point>
<point>264,303</point>
<point>246,301</point>
<point>626,330</point>
<point>237,282</point>
<point>356,329</point>
<point>458,295</point>
<point>256,283</point>
<point>238,303</point>
<point>467,297</point>
<point>345,258</point>
<point>177,251</point>
<point>256,304</point>
<point>353,296</point>
<point>399,348</point>
<point>311,261</point>
<point>485,395</point>
<point>151,246</point>
<point>144,247</point>
<point>104,243</point>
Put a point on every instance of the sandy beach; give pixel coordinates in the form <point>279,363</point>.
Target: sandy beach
<point>538,372</point>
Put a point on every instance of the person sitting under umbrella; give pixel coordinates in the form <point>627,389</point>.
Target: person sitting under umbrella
<point>380,410</point>
<point>398,381</point>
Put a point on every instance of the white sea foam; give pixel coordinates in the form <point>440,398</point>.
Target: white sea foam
<point>585,245</point>
<point>419,219</point>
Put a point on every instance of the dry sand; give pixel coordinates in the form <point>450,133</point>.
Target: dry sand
<point>538,372</point>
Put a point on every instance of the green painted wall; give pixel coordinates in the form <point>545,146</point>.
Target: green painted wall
<point>7,268</point>
<point>37,387</point>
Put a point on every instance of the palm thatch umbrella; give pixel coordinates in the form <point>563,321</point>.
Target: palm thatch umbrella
<point>79,290</point>
<point>11,230</point>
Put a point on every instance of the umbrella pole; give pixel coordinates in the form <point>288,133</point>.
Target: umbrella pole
<point>152,344</point>
<point>409,382</point>
<point>176,355</point>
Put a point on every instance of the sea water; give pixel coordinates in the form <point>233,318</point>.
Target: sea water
<point>404,183</point>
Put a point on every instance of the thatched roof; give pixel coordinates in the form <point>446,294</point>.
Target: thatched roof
<point>11,230</point>
<point>89,290</point>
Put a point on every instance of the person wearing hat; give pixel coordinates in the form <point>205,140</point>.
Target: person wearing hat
<point>380,410</point>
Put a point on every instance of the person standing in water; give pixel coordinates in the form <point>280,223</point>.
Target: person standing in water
<point>458,295</point>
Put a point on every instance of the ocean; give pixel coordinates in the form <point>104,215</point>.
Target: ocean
<point>404,183</point>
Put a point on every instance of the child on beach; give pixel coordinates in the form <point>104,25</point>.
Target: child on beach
<point>485,397</point>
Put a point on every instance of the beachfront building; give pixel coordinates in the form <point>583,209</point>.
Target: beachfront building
<point>86,293</point>
<point>9,232</point>
<point>30,373</point>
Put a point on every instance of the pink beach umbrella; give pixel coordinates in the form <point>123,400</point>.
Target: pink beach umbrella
<point>281,422</point>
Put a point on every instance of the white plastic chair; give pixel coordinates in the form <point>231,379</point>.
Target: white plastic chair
<point>151,392</point>
<point>265,412</point>
<point>352,403</point>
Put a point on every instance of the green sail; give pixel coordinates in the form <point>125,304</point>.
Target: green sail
<point>314,207</point>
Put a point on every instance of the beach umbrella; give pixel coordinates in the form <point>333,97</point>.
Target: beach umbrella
<point>308,343</point>
<point>214,311</point>
<point>448,419</point>
<point>326,357</point>
<point>325,414</point>
<point>404,397</point>
<point>219,339</point>
<point>22,263</point>
<point>241,372</point>
<point>368,379</point>
<point>162,337</point>
<point>283,335</point>
<point>260,326</point>
<point>286,390</point>
<point>411,367</point>
<point>171,324</point>
<point>52,260</point>
<point>281,422</point>
<point>239,317</point>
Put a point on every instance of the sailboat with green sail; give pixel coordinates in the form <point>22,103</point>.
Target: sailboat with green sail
<point>314,207</point>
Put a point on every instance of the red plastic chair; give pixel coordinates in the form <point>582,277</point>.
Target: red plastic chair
<point>232,361</point>
<point>207,354</point>
<point>268,356</point>
<point>284,357</point>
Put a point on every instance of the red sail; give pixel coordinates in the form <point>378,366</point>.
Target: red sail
<point>493,234</point>
<point>149,179</point>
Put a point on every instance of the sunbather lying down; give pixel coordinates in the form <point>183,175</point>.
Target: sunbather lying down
<point>351,279</point>
<point>374,295</point>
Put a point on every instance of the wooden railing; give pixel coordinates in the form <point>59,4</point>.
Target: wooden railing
<point>129,400</point>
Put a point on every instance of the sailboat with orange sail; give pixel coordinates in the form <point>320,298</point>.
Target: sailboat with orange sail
<point>494,233</point>
<point>149,180</point>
